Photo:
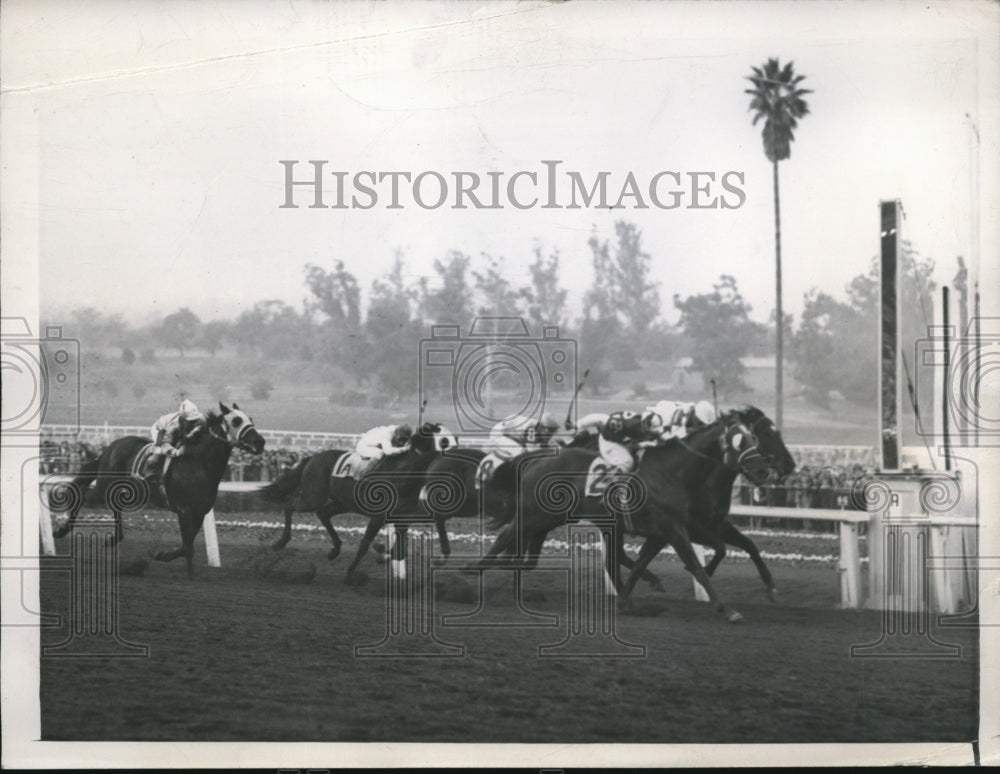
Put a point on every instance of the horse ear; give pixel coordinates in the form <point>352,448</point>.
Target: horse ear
<point>236,405</point>
<point>222,408</point>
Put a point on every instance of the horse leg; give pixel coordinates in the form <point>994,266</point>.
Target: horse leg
<point>326,513</point>
<point>397,552</point>
<point>442,530</point>
<point>375,523</point>
<point>169,556</point>
<point>647,553</point>
<point>718,554</point>
<point>682,544</point>
<point>624,560</point>
<point>286,533</point>
<point>504,542</point>
<point>736,538</point>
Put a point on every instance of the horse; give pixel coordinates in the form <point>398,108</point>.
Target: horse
<point>307,487</point>
<point>310,486</point>
<point>710,523</point>
<point>654,502</point>
<point>190,484</point>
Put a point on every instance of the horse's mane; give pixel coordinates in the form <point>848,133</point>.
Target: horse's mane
<point>746,413</point>
<point>213,418</point>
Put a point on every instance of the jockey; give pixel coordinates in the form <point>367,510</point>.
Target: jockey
<point>379,442</point>
<point>169,433</point>
<point>624,433</point>
<point>591,424</point>
<point>514,436</point>
<point>681,418</point>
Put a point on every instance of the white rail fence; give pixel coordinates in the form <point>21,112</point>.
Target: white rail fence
<point>949,585</point>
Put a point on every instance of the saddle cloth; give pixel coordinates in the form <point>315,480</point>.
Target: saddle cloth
<point>487,466</point>
<point>601,473</point>
<point>352,465</point>
<point>139,461</point>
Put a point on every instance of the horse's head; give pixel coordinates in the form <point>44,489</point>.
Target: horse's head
<point>425,440</point>
<point>769,439</point>
<point>444,439</point>
<point>740,449</point>
<point>236,427</point>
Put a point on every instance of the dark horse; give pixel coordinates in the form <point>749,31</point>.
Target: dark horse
<point>654,502</point>
<point>191,481</point>
<point>395,481</point>
<point>710,523</point>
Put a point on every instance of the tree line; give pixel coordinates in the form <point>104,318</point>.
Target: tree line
<point>833,345</point>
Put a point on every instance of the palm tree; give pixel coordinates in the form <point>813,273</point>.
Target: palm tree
<point>778,100</point>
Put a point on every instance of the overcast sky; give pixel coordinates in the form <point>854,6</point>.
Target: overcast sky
<point>161,127</point>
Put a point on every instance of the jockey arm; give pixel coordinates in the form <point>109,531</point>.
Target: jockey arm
<point>377,443</point>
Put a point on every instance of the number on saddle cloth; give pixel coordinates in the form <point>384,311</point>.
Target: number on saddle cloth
<point>487,466</point>
<point>599,476</point>
<point>350,464</point>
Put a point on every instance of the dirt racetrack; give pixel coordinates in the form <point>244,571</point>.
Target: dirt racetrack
<point>238,654</point>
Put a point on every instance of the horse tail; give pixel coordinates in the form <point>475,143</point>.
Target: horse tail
<point>284,487</point>
<point>82,480</point>
<point>87,473</point>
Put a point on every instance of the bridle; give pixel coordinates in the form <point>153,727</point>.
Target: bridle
<point>771,459</point>
<point>248,425</point>
<point>741,457</point>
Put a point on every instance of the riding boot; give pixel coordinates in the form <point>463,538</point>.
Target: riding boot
<point>152,470</point>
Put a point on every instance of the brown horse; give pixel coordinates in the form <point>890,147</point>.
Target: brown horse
<point>654,502</point>
<point>191,482</point>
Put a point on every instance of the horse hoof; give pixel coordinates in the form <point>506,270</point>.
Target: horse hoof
<point>772,594</point>
<point>658,587</point>
<point>734,617</point>
<point>277,546</point>
<point>440,561</point>
<point>333,554</point>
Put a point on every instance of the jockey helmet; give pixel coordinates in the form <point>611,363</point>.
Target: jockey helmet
<point>548,422</point>
<point>190,411</point>
<point>705,412</point>
<point>401,435</point>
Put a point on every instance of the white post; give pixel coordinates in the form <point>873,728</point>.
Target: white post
<point>699,591</point>
<point>211,540</point>
<point>849,566</point>
<point>942,588</point>
<point>45,525</point>
<point>609,584</point>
